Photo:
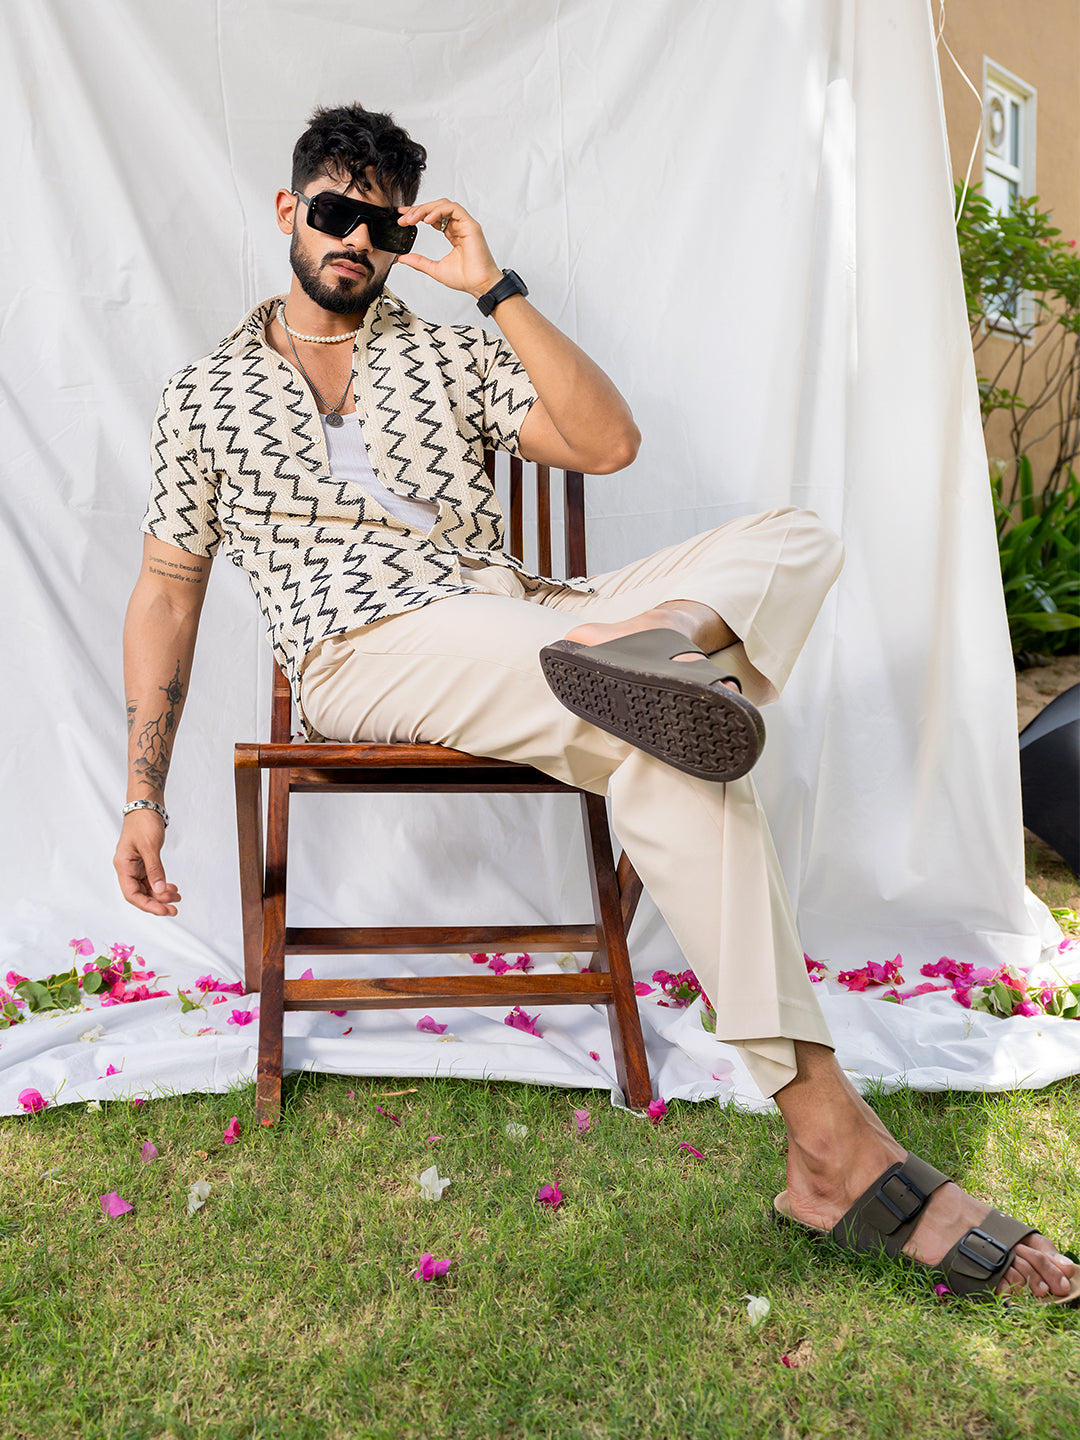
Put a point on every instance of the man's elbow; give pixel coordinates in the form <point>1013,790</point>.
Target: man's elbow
<point>619,451</point>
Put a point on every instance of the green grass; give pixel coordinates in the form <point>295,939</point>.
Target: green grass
<point>286,1308</point>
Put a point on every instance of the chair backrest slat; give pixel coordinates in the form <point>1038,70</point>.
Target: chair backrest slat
<point>574,526</point>
<point>543,519</point>
<point>516,538</point>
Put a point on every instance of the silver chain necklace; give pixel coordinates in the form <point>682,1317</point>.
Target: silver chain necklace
<point>332,416</point>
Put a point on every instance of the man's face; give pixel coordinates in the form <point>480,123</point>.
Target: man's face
<point>347,275</point>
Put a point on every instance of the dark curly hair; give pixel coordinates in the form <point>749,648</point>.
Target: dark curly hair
<point>347,139</point>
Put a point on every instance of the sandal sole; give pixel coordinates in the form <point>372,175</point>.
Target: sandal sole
<point>712,734</point>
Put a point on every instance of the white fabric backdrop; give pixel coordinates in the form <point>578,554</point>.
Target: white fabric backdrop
<point>743,211</point>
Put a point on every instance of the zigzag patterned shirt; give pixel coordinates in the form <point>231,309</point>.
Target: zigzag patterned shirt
<point>240,456</point>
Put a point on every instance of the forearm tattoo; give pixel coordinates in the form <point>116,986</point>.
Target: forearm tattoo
<point>153,742</point>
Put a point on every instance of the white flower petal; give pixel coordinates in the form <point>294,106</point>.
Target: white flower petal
<point>516,1131</point>
<point>93,1105</point>
<point>757,1308</point>
<point>95,1033</point>
<point>431,1187</point>
<point>197,1195</point>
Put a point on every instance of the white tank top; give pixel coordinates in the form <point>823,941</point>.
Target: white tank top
<point>349,461</point>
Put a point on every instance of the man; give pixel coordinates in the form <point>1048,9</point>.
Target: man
<point>334,443</point>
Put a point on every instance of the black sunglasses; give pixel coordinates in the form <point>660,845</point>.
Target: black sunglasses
<point>337,215</point>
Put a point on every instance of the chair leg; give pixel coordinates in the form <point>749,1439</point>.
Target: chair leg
<point>249,834</point>
<point>272,994</point>
<point>630,888</point>
<point>631,1063</point>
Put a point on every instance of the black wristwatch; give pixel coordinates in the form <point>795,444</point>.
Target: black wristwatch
<point>510,284</point>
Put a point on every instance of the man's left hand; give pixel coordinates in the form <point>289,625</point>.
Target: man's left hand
<point>469,265</point>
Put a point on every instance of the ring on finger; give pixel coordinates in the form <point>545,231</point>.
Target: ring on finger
<point>443,223</point>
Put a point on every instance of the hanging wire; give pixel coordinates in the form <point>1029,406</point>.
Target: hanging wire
<point>978,133</point>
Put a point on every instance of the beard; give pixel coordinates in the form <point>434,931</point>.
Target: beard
<point>341,296</point>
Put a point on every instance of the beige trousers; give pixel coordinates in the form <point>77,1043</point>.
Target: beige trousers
<point>464,672</point>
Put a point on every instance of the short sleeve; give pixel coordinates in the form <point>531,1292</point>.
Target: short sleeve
<point>182,509</point>
<point>507,393</point>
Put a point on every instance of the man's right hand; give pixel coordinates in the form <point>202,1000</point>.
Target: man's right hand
<point>138,866</point>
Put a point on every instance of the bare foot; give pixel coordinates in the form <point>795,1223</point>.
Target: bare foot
<point>826,1176</point>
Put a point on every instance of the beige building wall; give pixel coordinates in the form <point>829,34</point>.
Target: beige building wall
<point>1039,42</point>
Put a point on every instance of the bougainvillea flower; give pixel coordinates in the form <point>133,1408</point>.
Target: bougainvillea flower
<point>112,1070</point>
<point>120,953</point>
<point>657,1110</point>
<point>13,979</point>
<point>593,1055</point>
<point>582,1121</point>
<point>139,1100</point>
<point>232,1131</point>
<point>1026,1007</point>
<point>148,1152</point>
<point>549,1195</point>
<point>684,1146</point>
<point>308,974</point>
<point>757,1307</point>
<point>394,1119</point>
<point>857,980</point>
<point>94,1033</point>
<point>430,1025</point>
<point>815,969</point>
<point>497,965</point>
<point>220,1000</point>
<point>641,988</point>
<point>948,969</point>
<point>114,1206</point>
<point>523,962</point>
<point>83,946</point>
<point>518,1020</point>
<point>887,974</point>
<point>31,1101</point>
<point>431,1186</point>
<point>724,1070</point>
<point>431,1139</point>
<point>197,1195</point>
<point>243,1017</point>
<point>479,958</point>
<point>941,1291</point>
<point>93,1106</point>
<point>430,1268</point>
<point>206,1030</point>
<point>223,987</point>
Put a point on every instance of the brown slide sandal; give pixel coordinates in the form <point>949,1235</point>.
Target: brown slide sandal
<point>882,1219</point>
<point>678,710</point>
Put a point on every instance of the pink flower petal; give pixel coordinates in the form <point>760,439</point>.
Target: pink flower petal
<point>430,1268</point>
<point>114,1206</point>
<point>242,1017</point>
<point>394,1119</point>
<point>498,966</point>
<point>593,1055</point>
<point>149,1152</point>
<point>657,1110</point>
<point>32,1101</point>
<point>82,947</point>
<point>684,1146</point>
<point>523,962</point>
<point>431,1139</point>
<point>338,1013</point>
<point>582,1121</point>
<point>232,1131</point>
<point>138,1100</point>
<point>308,974</point>
<point>518,1020</point>
<point>430,1025</point>
<point>479,958</point>
<point>549,1195</point>
<point>941,1291</point>
<point>724,1071</point>
<point>640,988</point>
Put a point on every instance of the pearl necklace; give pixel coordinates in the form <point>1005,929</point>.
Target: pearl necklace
<point>315,339</point>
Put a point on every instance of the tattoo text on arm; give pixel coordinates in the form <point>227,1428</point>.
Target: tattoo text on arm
<point>174,570</point>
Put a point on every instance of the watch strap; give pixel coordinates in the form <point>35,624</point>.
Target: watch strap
<point>510,284</point>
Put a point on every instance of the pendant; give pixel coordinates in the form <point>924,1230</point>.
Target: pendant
<point>335,420</point>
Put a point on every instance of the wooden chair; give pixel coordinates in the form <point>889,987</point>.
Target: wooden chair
<point>298,767</point>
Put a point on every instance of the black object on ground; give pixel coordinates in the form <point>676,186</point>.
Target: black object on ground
<point>1050,776</point>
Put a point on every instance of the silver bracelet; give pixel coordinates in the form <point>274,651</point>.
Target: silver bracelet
<point>148,805</point>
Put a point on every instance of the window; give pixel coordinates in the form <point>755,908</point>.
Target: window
<point>1008,162</point>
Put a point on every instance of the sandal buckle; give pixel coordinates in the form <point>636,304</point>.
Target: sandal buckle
<point>981,1260</point>
<point>894,1208</point>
